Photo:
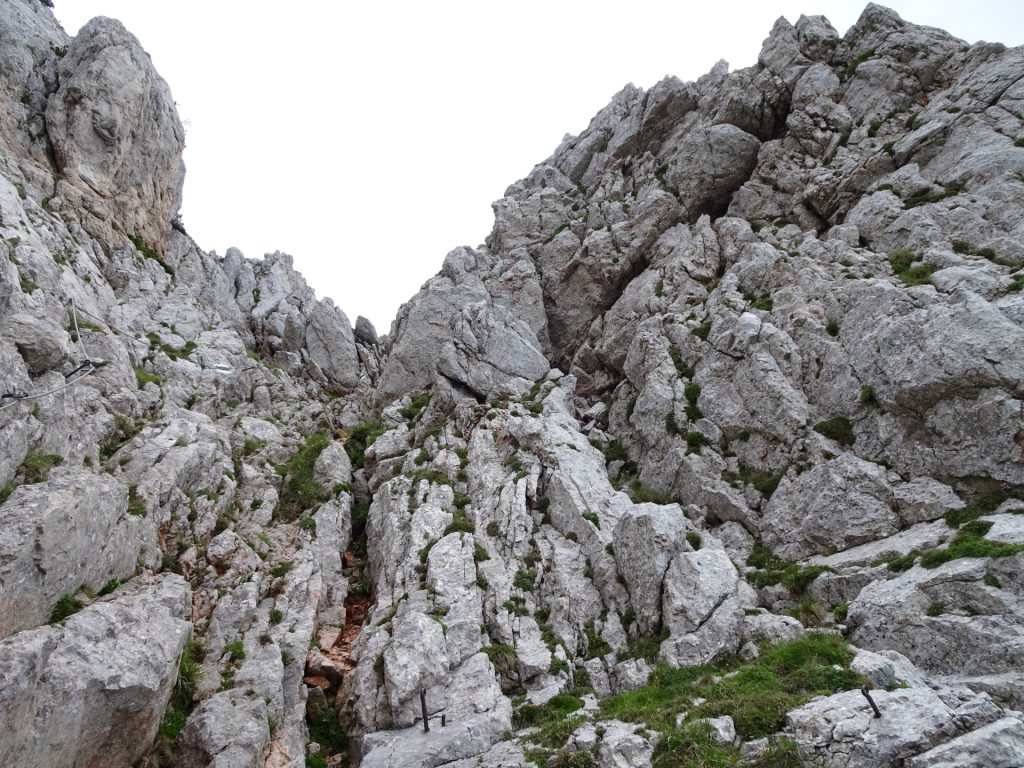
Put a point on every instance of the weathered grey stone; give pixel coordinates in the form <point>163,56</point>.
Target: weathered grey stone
<point>996,745</point>
<point>840,730</point>
<point>116,135</point>
<point>228,730</point>
<point>913,614</point>
<point>723,730</point>
<point>837,505</point>
<point>646,540</point>
<point>93,689</point>
<point>699,608</point>
<point>75,526</point>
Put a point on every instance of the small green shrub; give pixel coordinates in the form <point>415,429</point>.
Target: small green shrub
<point>66,606</point>
<point>361,437</point>
<point>418,403</point>
<point>906,267</point>
<point>671,427</point>
<point>136,506</point>
<point>695,441</point>
<point>144,377</point>
<point>685,371</point>
<point>36,467</point>
<point>523,580</point>
<point>460,524</point>
<point>640,494</point>
<point>281,569</point>
<point>838,429</point>
<point>868,396</point>
<point>236,650</point>
<point>300,491</point>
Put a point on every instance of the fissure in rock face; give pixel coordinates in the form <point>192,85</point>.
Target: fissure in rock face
<point>723,423</point>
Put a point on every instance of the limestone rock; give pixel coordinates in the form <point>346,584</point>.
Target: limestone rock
<point>700,608</point>
<point>116,135</point>
<point>841,730</point>
<point>92,690</point>
<point>77,526</point>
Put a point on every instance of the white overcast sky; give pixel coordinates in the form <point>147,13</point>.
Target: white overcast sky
<point>369,139</point>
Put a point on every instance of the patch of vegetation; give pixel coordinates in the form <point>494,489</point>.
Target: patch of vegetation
<point>236,650</point>
<point>558,707</point>
<point>66,606</point>
<point>692,392</point>
<point>702,331</point>
<point>175,353</point>
<point>970,542</point>
<point>867,395</point>
<point>906,267</point>
<point>460,524</point>
<point>28,285</point>
<point>765,304</point>
<point>124,430</point>
<point>325,729</point>
<point>659,288</point>
<point>640,493</point>
<point>252,445</point>
<point>281,569</point>
<point>558,230</point>
<point>614,451</point>
<point>480,553</point>
<point>764,482</point>
<point>144,377</point>
<point>929,195</point>
<point>671,427</point>
<point>361,437</point>
<point>300,491</point>
<point>685,371</point>
<point>695,441</point>
<point>36,467</point>
<point>136,506</point>
<point>756,694</point>
<point>772,569</point>
<point>645,647</point>
<point>435,476</point>
<point>838,429</point>
<point>150,253</point>
<point>855,62</point>
<point>180,707</point>
<point>504,659</point>
<point>983,504</point>
<point>596,645</point>
<point>418,403</point>
<point>523,580</point>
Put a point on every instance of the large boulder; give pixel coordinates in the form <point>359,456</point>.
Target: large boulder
<point>116,136</point>
<point>92,691</point>
<point>71,531</point>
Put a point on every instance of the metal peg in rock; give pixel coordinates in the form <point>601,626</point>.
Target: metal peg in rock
<point>423,706</point>
<point>864,690</point>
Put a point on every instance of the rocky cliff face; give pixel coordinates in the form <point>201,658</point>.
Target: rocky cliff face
<point>736,381</point>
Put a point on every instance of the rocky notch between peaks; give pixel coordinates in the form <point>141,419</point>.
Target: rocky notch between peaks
<point>722,423</point>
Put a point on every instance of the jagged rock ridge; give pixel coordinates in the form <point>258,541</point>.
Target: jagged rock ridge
<point>740,361</point>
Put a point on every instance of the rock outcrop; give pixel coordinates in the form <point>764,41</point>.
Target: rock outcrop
<point>734,381</point>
